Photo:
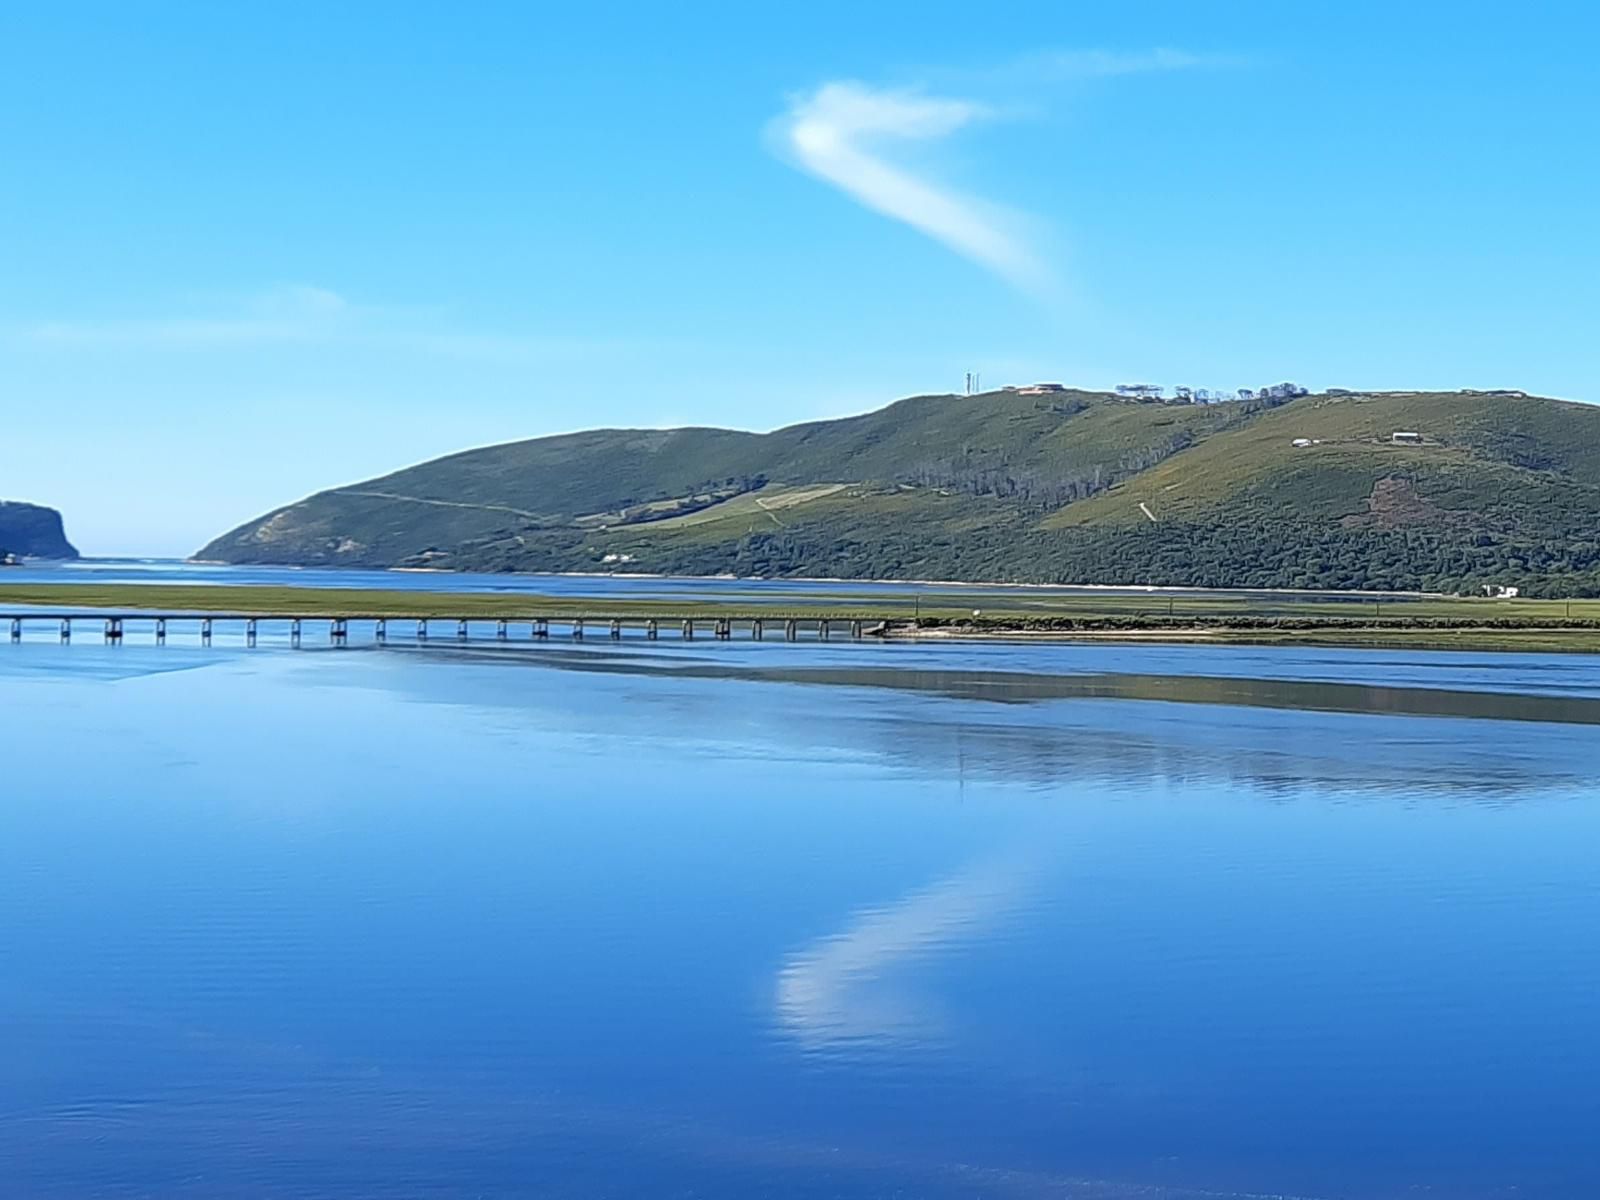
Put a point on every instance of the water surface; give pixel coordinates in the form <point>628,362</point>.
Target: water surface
<point>842,920</point>
<point>631,587</point>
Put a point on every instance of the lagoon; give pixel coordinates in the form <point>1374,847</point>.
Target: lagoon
<point>842,920</point>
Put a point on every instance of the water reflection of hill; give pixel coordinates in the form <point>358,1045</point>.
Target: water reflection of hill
<point>1279,738</point>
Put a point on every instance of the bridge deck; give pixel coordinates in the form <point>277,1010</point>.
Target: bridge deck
<point>114,625</point>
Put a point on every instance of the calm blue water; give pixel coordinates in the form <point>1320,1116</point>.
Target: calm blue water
<point>843,920</point>
<point>174,571</point>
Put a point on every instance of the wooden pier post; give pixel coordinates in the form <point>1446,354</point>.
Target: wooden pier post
<point>161,631</point>
<point>651,629</point>
<point>205,631</point>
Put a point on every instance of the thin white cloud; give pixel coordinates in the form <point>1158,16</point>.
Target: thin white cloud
<point>304,315</point>
<point>1105,64</point>
<point>291,313</point>
<point>844,133</point>
<point>838,132</point>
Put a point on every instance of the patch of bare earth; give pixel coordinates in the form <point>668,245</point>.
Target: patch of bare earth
<point>276,528</point>
<point>1395,503</point>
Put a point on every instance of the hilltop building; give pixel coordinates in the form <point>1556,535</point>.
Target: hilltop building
<point>1281,391</point>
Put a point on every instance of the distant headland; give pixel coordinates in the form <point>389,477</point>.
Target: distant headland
<point>32,531</point>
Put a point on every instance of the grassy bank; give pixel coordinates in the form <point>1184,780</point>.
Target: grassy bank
<point>1526,639</point>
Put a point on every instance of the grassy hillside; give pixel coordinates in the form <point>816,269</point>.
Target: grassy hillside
<point>1479,450</point>
<point>1068,487</point>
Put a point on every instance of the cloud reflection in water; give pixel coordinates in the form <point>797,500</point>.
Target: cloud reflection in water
<point>855,986</point>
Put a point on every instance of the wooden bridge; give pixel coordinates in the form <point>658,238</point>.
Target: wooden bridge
<point>114,627</point>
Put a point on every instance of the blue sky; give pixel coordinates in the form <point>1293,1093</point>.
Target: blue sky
<point>247,252</point>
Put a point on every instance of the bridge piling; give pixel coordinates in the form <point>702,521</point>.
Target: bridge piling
<point>541,627</point>
<point>651,629</point>
<point>294,632</point>
<point>616,629</point>
<point>205,631</point>
<point>339,631</point>
<point>250,632</point>
<point>422,630</point>
<point>16,629</point>
<point>577,628</point>
<point>500,629</point>
<point>688,631</point>
<point>381,632</point>
<point>791,630</point>
<point>161,631</point>
<point>756,630</point>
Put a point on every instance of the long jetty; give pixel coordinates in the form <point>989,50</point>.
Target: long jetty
<point>114,627</point>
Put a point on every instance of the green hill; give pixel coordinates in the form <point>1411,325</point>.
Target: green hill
<point>1069,486</point>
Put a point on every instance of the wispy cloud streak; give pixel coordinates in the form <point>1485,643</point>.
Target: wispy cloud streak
<point>1106,64</point>
<point>838,132</point>
<point>283,314</point>
<point>846,133</point>
<point>302,315</point>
